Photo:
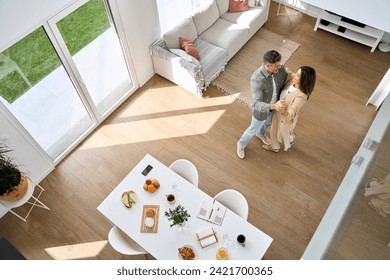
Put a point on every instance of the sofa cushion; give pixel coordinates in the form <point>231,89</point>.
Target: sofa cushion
<point>212,60</point>
<point>227,35</point>
<point>189,47</point>
<point>238,5</point>
<point>205,16</point>
<point>253,19</point>
<point>223,6</point>
<point>185,29</point>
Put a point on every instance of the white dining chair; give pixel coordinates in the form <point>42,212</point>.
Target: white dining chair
<point>123,244</point>
<point>187,170</point>
<point>235,201</point>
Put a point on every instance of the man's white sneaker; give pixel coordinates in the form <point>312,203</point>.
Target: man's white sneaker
<point>240,151</point>
<point>265,139</point>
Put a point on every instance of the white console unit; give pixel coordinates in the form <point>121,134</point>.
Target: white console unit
<point>366,35</point>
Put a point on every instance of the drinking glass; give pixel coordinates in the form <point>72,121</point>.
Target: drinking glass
<point>226,241</point>
<point>222,254</point>
<point>174,188</point>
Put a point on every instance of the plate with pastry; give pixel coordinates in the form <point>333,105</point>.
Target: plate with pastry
<point>186,252</point>
<point>129,198</point>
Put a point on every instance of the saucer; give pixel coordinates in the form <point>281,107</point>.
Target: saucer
<point>149,222</point>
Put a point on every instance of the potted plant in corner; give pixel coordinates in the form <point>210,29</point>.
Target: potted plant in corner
<point>177,216</point>
<point>13,182</point>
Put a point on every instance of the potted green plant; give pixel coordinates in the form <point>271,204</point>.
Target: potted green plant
<point>177,215</point>
<point>13,183</point>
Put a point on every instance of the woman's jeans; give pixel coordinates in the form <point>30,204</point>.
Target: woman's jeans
<point>256,127</point>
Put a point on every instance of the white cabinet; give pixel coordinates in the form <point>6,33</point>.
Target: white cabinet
<point>366,35</point>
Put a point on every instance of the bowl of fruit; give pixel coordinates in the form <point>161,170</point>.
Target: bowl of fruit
<point>151,185</point>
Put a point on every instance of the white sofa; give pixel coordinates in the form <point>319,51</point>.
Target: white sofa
<point>217,34</point>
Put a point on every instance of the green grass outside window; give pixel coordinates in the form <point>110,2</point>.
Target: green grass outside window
<point>35,55</point>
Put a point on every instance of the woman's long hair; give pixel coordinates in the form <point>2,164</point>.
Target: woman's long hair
<point>307,80</point>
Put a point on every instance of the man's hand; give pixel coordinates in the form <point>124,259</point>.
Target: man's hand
<point>279,106</point>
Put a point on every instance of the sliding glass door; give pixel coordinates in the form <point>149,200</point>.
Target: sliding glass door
<point>90,44</point>
<point>64,78</point>
<point>37,90</point>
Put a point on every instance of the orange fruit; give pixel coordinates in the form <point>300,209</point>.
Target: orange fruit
<point>151,188</point>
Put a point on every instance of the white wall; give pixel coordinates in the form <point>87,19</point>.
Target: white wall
<point>171,12</point>
<point>141,27</point>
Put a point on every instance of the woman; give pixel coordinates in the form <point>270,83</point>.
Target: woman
<point>294,94</point>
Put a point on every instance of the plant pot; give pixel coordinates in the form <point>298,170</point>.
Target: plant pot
<point>18,192</point>
<point>181,227</point>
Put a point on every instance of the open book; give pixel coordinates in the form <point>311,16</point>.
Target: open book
<point>213,212</point>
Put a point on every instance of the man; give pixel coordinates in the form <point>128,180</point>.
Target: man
<point>266,84</point>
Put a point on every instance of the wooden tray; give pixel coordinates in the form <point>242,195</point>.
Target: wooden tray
<point>156,209</point>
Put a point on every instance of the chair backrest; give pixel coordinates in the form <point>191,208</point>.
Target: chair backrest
<point>124,244</point>
<point>235,201</point>
<point>187,170</point>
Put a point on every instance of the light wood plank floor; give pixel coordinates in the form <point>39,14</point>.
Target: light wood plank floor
<point>288,192</point>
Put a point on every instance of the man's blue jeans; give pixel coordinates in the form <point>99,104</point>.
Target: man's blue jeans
<point>256,127</point>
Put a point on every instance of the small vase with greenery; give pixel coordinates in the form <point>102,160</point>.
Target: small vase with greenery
<point>13,183</point>
<point>177,216</point>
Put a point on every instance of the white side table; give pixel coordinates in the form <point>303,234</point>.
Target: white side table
<point>26,199</point>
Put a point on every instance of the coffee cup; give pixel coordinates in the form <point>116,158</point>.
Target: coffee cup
<point>171,198</point>
<point>241,240</point>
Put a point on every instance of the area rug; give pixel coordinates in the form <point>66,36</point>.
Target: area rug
<point>235,80</point>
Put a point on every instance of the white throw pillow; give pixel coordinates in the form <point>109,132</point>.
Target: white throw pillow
<point>186,56</point>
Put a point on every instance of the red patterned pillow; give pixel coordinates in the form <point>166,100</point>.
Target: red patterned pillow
<point>189,47</point>
<point>238,5</point>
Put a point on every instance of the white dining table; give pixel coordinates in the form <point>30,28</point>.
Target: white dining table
<point>164,244</point>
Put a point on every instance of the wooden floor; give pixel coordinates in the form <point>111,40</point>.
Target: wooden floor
<point>288,192</point>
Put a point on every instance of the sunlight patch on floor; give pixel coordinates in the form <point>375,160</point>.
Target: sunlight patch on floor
<point>77,251</point>
<point>135,131</point>
<point>171,99</point>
